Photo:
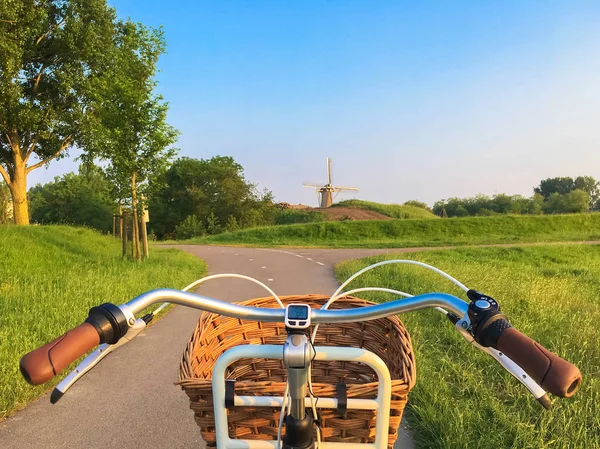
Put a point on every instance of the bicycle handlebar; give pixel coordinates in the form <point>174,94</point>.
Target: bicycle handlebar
<point>491,328</point>
<point>557,375</point>
<point>552,373</point>
<point>42,364</point>
<point>318,316</point>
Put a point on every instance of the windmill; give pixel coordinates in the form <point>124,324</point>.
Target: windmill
<point>328,192</point>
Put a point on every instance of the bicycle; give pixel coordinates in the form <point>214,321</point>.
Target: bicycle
<point>480,321</point>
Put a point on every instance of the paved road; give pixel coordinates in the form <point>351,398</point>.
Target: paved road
<point>129,399</point>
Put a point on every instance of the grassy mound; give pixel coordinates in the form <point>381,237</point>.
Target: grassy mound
<point>550,294</point>
<point>52,275</point>
<point>391,210</point>
<point>415,233</point>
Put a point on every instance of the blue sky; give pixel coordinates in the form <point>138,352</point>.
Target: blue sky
<point>412,100</point>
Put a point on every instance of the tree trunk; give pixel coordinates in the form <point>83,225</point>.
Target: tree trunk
<point>144,236</point>
<point>135,225</point>
<point>122,230</point>
<point>15,174</point>
<point>135,238</point>
<point>125,231</point>
<point>18,191</point>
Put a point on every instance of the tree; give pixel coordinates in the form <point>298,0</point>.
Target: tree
<point>203,186</point>
<point>503,203</point>
<point>461,211</point>
<point>566,185</point>
<point>560,185</point>
<point>576,201</point>
<point>533,205</point>
<point>50,53</point>
<point>82,199</point>
<point>590,186</point>
<point>485,206</point>
<point>130,129</point>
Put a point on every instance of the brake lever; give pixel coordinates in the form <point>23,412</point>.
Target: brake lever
<point>538,392</point>
<point>93,359</point>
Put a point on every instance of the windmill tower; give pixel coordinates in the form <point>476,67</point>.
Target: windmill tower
<point>328,192</point>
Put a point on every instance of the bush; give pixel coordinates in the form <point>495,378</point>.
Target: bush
<point>212,224</point>
<point>191,227</point>
<point>416,203</point>
<point>294,216</point>
<point>232,224</point>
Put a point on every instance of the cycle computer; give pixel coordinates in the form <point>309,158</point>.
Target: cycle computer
<point>297,316</point>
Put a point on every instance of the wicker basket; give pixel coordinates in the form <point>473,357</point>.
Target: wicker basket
<point>214,334</point>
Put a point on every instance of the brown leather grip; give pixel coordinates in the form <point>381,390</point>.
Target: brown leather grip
<point>552,373</point>
<point>44,363</point>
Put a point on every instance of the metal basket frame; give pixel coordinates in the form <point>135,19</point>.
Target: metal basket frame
<point>227,347</point>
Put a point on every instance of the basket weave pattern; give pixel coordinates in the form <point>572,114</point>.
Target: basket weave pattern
<point>214,334</point>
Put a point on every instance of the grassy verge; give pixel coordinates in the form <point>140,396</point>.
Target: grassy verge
<point>51,275</point>
<point>391,210</point>
<point>463,398</point>
<point>416,233</point>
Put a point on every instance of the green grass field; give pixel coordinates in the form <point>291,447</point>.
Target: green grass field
<point>415,233</point>
<point>49,278</point>
<point>391,210</point>
<point>463,398</point>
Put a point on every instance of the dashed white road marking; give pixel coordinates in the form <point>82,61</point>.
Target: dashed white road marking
<point>269,280</point>
<point>263,267</point>
<point>251,260</point>
<point>291,254</point>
